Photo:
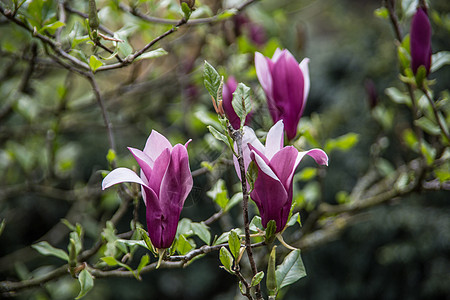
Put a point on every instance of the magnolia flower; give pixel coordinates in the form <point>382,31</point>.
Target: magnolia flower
<point>286,85</point>
<point>166,181</point>
<point>420,41</point>
<point>276,165</point>
<point>227,96</point>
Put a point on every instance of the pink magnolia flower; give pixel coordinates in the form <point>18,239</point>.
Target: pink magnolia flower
<point>286,85</point>
<point>227,96</point>
<point>276,164</point>
<point>420,41</point>
<point>166,181</point>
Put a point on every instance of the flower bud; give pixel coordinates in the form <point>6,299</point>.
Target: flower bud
<point>420,41</point>
<point>190,3</point>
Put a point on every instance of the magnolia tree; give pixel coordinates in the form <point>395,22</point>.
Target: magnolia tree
<point>101,49</point>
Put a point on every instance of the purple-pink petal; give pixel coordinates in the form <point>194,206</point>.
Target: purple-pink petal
<point>283,164</point>
<point>144,162</point>
<point>318,155</point>
<point>120,175</point>
<point>288,91</point>
<point>159,170</point>
<point>274,139</point>
<point>155,145</point>
<point>270,196</point>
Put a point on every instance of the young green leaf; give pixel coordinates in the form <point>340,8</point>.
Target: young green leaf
<point>293,219</point>
<point>219,136</point>
<point>219,194</point>
<point>439,60</point>
<point>257,278</point>
<point>183,245</point>
<point>45,248</point>
<point>290,270</point>
<point>51,28</point>
<point>211,79</point>
<point>94,63</point>
<point>226,259</point>
<point>234,242</point>
<point>202,231</point>
<point>144,261</point>
<point>186,10</point>
<point>86,283</point>
<point>152,54</point>
<point>241,102</point>
<point>255,224</point>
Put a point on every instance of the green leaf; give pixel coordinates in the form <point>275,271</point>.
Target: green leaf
<point>152,54</point>
<point>293,219</point>
<point>227,14</point>
<point>234,242</point>
<point>94,63</point>
<point>51,28</point>
<point>237,198</point>
<point>218,193</point>
<point>428,126</point>
<point>256,224</point>
<point>183,245</point>
<point>397,96</point>
<point>226,259</point>
<point>382,12</point>
<point>429,152</point>
<point>144,261</point>
<point>241,102</point>
<point>290,270</point>
<point>421,75</point>
<point>439,60</point>
<point>134,243</point>
<point>86,283</point>
<point>410,139</point>
<point>184,227</point>
<point>270,231</point>
<point>146,239</point>
<point>110,261</point>
<point>202,231</point>
<point>219,136</point>
<point>342,143</point>
<point>257,278</point>
<point>211,79</point>
<point>45,248</point>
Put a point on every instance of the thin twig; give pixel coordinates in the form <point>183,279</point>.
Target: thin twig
<point>237,137</point>
<point>134,11</point>
<point>105,115</point>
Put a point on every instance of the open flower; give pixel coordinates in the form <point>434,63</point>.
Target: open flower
<point>276,164</point>
<point>227,96</point>
<point>166,181</point>
<point>420,41</point>
<point>286,85</point>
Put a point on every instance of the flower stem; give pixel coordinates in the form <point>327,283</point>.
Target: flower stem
<point>237,137</point>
